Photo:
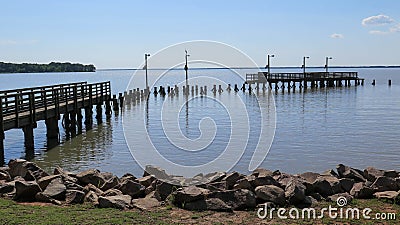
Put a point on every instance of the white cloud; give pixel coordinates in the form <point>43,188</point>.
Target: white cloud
<point>4,42</point>
<point>377,20</point>
<point>395,28</point>
<point>337,36</point>
<point>378,32</point>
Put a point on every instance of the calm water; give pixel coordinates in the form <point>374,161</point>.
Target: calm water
<point>315,130</point>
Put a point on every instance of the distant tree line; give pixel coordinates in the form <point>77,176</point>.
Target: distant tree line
<point>42,68</point>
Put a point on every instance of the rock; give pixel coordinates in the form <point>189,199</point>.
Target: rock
<point>327,185</point>
<point>91,187</point>
<point>59,171</point>
<point>385,184</point>
<point>5,176</point>
<point>163,189</point>
<point>189,194</point>
<point>262,172</point>
<point>214,177</point>
<point>110,183</point>
<point>156,172</point>
<point>346,184</point>
<point>360,190</point>
<point>133,189</point>
<point>112,192</point>
<point>74,197</point>
<point>28,170</point>
<point>118,201</point>
<point>231,178</point>
<point>371,173</point>
<point>295,192</point>
<point>243,184</point>
<point>128,176</point>
<point>310,177</point>
<point>351,173</point>
<point>310,201</point>
<point>56,189</point>
<point>271,193</point>
<point>261,181</point>
<point>236,199</point>
<point>91,176</point>
<point>7,188</point>
<point>107,175</point>
<point>44,181</point>
<point>45,198</point>
<point>216,204</point>
<point>26,190</point>
<point>146,181</point>
<point>391,173</point>
<point>146,203</point>
<point>334,198</point>
<point>283,179</point>
<point>391,195</point>
<point>73,186</point>
<point>92,197</point>
<point>330,173</point>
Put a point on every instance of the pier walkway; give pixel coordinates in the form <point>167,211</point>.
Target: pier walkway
<point>22,108</point>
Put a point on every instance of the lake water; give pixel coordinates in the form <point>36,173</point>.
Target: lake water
<point>315,130</point>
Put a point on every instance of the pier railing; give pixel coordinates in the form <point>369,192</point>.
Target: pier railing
<point>27,102</point>
<point>264,76</point>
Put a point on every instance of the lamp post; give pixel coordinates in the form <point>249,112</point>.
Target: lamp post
<point>304,64</point>
<point>326,63</point>
<point>268,63</point>
<point>186,66</point>
<point>145,59</point>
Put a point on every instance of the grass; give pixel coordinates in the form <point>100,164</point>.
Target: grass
<point>16,213</point>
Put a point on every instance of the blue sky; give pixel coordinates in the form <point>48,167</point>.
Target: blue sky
<point>116,34</point>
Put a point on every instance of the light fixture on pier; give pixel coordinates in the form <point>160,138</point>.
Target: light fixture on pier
<point>145,59</point>
<point>304,63</point>
<point>268,63</point>
<point>186,66</point>
<point>326,63</point>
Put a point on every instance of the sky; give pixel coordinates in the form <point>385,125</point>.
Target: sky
<point>117,34</point>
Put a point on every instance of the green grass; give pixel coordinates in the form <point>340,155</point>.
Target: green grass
<point>14,213</point>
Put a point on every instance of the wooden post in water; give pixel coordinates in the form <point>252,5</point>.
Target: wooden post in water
<point>29,140</point>
<point>79,119</point>
<point>53,132</point>
<point>390,82</point>
<point>121,99</point>
<point>88,118</point>
<point>73,123</point>
<point>115,103</point>
<point>1,133</point>
<point>99,112</point>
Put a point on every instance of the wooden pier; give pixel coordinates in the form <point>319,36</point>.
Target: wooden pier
<point>315,79</point>
<point>22,108</point>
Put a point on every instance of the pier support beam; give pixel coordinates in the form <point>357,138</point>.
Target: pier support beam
<point>73,123</point>
<point>2,149</point>
<point>53,132</point>
<point>108,105</point>
<point>79,119</point>
<point>88,118</point>
<point>99,111</point>
<point>29,140</point>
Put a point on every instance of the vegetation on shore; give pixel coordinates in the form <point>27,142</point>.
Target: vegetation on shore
<point>30,213</point>
<point>42,68</point>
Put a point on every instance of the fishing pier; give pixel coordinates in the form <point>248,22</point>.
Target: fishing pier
<point>23,108</point>
<point>312,79</point>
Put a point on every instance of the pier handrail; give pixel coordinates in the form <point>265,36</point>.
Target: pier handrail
<point>25,102</point>
<point>31,89</point>
<point>261,76</point>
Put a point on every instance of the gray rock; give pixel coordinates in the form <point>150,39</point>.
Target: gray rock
<point>243,184</point>
<point>92,197</point>
<point>334,198</point>
<point>309,176</point>
<point>236,199</point>
<point>146,203</point>
<point>346,184</point>
<point>261,181</point>
<point>110,183</point>
<point>44,181</point>
<point>214,177</point>
<point>74,197</point>
<point>146,181</point>
<point>327,185</point>
<point>330,173</point>
<point>128,176</point>
<point>73,186</point>
<point>189,194</point>
<point>91,187</point>
<point>7,188</point>
<point>271,193</point>
<point>59,171</point>
<point>157,172</point>
<point>26,190</point>
<point>371,173</point>
<point>164,189</point>
<point>133,189</point>
<point>262,172</point>
<point>56,189</point>
<point>231,179</point>
<point>310,201</point>
<point>107,175</point>
<point>385,184</point>
<point>351,173</point>
<point>391,173</point>
<point>27,170</point>
<point>391,195</point>
<point>295,192</point>
<point>118,201</point>
<point>360,190</point>
<point>91,176</point>
<point>5,176</point>
<point>112,192</point>
<point>45,198</point>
